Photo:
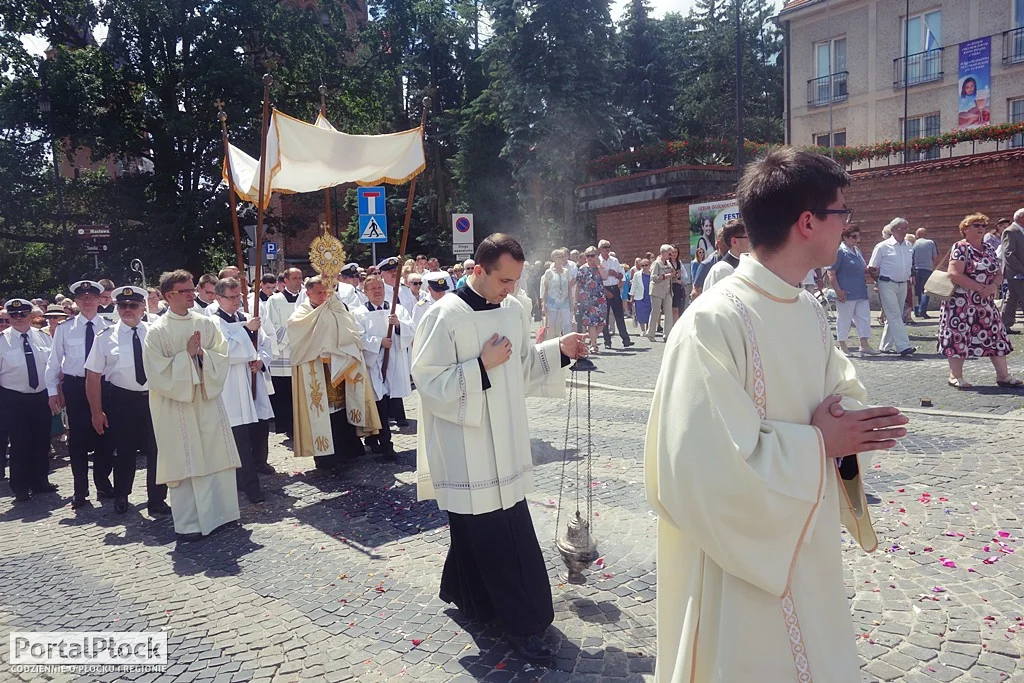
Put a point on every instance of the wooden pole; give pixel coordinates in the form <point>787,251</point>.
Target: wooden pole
<point>239,262</point>
<point>223,118</point>
<point>327,191</point>
<point>405,236</point>
<point>260,211</point>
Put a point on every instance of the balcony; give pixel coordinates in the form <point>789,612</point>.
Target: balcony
<point>821,91</point>
<point>922,67</point>
<point>1013,46</point>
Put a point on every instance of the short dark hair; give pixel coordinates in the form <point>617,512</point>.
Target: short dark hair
<point>851,231</point>
<point>106,284</point>
<point>225,285</point>
<point>269,279</point>
<point>732,229</point>
<point>280,277</point>
<point>168,280</point>
<point>776,189</point>
<point>207,279</point>
<point>493,246</point>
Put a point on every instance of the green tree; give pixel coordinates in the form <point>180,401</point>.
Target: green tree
<point>646,92</point>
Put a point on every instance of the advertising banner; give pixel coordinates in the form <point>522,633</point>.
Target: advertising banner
<point>705,219</point>
<point>975,61</point>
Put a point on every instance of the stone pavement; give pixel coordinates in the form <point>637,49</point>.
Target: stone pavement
<point>336,577</point>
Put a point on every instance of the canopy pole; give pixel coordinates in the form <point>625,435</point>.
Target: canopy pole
<point>239,262</point>
<point>327,191</point>
<point>260,210</point>
<point>405,236</point>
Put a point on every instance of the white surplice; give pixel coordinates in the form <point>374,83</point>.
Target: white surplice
<point>473,446</point>
<point>198,457</point>
<point>750,576</point>
<point>276,310</point>
<point>237,397</point>
<point>373,326</point>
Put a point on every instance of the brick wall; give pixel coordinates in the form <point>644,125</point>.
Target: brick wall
<point>639,228</point>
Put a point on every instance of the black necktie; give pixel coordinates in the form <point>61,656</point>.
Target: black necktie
<point>89,337</point>
<point>140,372</point>
<point>30,361</point>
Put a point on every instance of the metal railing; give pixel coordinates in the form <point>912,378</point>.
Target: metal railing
<point>821,91</point>
<point>921,67</point>
<point>1013,46</point>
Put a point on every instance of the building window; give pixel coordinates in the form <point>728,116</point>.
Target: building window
<point>920,58</point>
<point>1017,116</point>
<point>920,127</point>
<point>829,83</point>
<point>1013,40</point>
<point>838,137</point>
<point>1018,13</point>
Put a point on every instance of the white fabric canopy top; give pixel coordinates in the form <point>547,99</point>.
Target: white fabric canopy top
<point>303,157</point>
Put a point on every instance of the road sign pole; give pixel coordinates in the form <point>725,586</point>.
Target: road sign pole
<point>373,253</point>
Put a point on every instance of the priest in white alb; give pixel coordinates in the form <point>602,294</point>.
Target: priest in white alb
<point>186,362</point>
<point>757,440</point>
<point>474,363</point>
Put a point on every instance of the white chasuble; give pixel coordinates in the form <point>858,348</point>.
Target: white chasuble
<point>373,325</point>
<point>325,351</point>
<point>750,576</point>
<point>241,407</point>
<point>473,446</point>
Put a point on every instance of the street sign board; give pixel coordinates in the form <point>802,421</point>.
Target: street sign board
<point>270,248</point>
<point>95,248</point>
<point>462,251</point>
<point>93,232</point>
<point>373,219</point>
<point>462,228</point>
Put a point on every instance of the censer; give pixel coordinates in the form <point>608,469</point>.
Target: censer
<point>576,543</point>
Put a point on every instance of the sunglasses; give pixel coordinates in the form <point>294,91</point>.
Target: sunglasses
<point>16,314</point>
<point>415,284</point>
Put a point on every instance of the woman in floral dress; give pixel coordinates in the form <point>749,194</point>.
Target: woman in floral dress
<point>591,304</point>
<point>969,324</point>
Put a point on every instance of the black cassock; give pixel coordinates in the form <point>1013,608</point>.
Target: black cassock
<point>495,569</point>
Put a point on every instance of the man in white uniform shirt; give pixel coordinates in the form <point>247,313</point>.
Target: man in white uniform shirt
<point>890,264</point>
<point>23,405</point>
<point>348,287</point>
<point>279,308</point>
<point>118,393</point>
<point>249,354</point>
<point>438,284</point>
<point>613,292</point>
<point>65,383</point>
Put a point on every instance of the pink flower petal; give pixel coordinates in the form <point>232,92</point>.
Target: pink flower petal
<point>926,549</point>
<point>416,641</point>
<point>991,560</point>
<point>938,589</point>
<point>947,563</point>
<point>1003,534</point>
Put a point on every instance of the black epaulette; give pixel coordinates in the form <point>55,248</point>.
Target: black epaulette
<point>104,330</point>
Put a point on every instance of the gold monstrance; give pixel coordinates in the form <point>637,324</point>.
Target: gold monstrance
<point>327,254</point>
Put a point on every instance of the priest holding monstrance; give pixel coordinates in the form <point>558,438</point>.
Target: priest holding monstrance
<point>474,363</point>
<point>333,404</point>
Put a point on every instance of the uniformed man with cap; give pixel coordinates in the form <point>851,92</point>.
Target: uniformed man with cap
<point>348,287</point>
<point>23,404</point>
<point>388,269</point>
<point>72,343</point>
<point>118,395</point>
<point>437,286</point>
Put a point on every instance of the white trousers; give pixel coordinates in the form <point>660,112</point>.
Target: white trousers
<point>660,305</point>
<point>201,504</point>
<point>853,311</point>
<point>559,323</point>
<point>894,335</point>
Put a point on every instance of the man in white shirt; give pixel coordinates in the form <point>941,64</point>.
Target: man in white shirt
<point>613,292</point>
<point>65,383</point>
<point>438,284</point>
<point>249,355</point>
<point>118,393</point>
<point>891,263</point>
<point>734,234</point>
<point>23,355</point>
<point>348,287</point>
<point>280,307</point>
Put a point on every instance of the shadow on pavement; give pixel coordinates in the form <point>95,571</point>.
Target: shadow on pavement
<point>216,555</point>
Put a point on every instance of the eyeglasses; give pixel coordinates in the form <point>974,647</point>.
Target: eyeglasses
<point>981,226</point>
<point>233,297</point>
<point>129,304</point>
<point>183,292</point>
<point>847,214</point>
<point>18,314</point>
<point>415,284</point>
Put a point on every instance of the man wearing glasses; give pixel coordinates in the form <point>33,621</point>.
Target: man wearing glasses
<point>185,358</point>
<point>734,234</point>
<point>23,404</point>
<point>65,383</point>
<point>891,263</point>
<point>118,394</point>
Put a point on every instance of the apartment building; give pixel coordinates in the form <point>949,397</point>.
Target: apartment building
<point>862,71</point>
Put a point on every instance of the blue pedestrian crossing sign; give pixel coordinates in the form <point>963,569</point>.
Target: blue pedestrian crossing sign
<point>373,219</point>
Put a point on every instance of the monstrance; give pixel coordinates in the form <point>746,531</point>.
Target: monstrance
<point>576,543</point>
<point>327,255</point>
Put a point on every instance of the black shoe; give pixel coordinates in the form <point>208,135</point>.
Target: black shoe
<point>607,345</point>
<point>45,488</point>
<point>388,453</point>
<point>374,443</point>
<point>22,497</point>
<point>264,468</point>
<point>626,344</point>
<point>909,351</point>
<point>105,493</point>
<point>80,502</point>
<point>120,505</point>
<point>924,316</point>
<point>188,538</point>
<point>533,649</point>
<point>158,507</point>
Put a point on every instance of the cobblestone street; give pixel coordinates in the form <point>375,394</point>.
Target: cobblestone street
<point>336,577</point>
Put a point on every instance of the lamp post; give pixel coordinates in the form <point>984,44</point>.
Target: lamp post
<point>139,268</point>
<point>46,109</point>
